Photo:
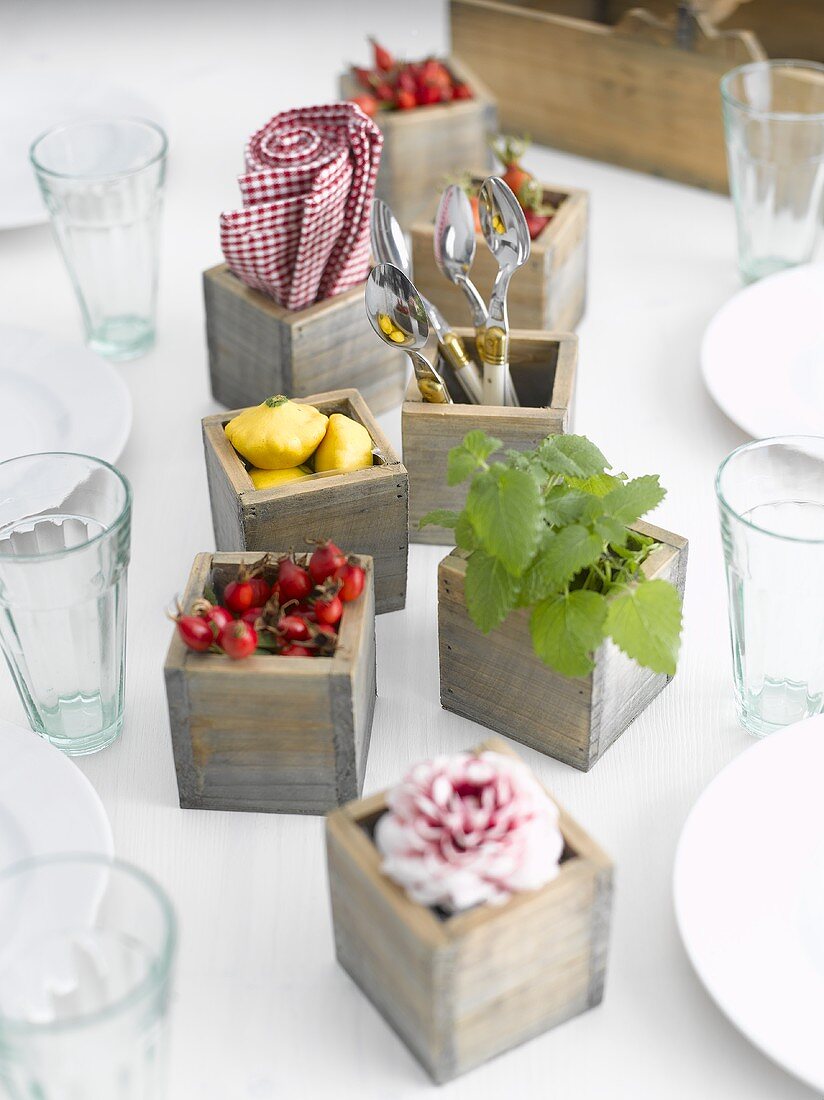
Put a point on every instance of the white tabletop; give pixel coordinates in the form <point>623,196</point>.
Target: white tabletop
<point>261,1009</point>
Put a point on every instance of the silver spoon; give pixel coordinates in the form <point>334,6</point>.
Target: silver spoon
<point>454,245</point>
<point>397,314</point>
<point>507,235</point>
<point>389,247</point>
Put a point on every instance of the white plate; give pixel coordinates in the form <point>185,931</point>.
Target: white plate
<point>30,103</point>
<point>749,895</point>
<point>763,355</point>
<point>59,397</point>
<point>47,805</point>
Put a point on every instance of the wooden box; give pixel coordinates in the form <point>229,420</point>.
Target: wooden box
<point>363,511</point>
<point>257,348</point>
<point>270,733</point>
<point>640,92</point>
<point>463,988</point>
<point>548,292</point>
<point>543,372</point>
<point>426,146</point>
<point>497,680</point>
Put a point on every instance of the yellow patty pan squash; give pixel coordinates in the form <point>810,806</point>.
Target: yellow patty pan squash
<point>347,445</point>
<point>277,435</point>
<point>268,479</point>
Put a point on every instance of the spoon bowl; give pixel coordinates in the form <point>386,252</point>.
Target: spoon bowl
<point>395,309</point>
<point>454,241</point>
<point>388,241</point>
<point>503,224</point>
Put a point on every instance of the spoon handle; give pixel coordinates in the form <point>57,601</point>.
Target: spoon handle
<point>432,387</point>
<point>498,387</point>
<point>453,352</point>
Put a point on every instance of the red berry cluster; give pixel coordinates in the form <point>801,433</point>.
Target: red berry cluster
<point>402,85</point>
<point>288,607</point>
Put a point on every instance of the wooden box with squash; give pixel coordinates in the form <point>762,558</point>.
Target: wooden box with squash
<point>285,473</point>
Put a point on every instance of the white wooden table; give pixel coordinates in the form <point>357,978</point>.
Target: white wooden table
<point>260,1009</point>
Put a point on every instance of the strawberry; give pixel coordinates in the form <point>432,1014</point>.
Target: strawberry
<point>364,77</point>
<point>536,223</point>
<point>405,101</point>
<point>407,81</point>
<point>427,95</point>
<point>384,61</point>
<point>384,91</point>
<point>462,91</point>
<point>367,103</point>
<point>509,151</point>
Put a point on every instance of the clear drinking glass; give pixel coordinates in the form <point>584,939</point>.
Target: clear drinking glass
<point>102,181</point>
<point>86,950</point>
<point>774,123</point>
<point>771,498</point>
<point>65,522</point>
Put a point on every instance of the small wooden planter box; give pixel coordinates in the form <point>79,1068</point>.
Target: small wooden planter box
<point>363,511</point>
<point>425,146</point>
<point>460,990</point>
<point>574,720</point>
<point>548,292</point>
<point>257,348</point>
<point>621,87</point>
<point>543,372</point>
<point>269,733</point>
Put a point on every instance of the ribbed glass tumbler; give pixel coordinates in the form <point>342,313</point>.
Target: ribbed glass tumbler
<point>102,182</point>
<point>86,951</point>
<point>771,499</point>
<point>65,524</point>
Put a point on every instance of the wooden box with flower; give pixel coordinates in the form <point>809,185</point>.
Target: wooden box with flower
<point>550,291</point>
<point>559,612</point>
<point>354,489</point>
<point>270,708</point>
<point>435,116</point>
<point>469,907</point>
<point>543,367</point>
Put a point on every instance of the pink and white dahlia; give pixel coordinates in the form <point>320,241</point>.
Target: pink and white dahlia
<point>469,829</point>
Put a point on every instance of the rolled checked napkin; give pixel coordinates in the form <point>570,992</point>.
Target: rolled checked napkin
<point>303,233</point>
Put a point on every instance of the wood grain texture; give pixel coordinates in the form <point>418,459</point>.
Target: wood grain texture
<point>425,146</point>
<point>363,511</point>
<point>497,680</point>
<point>614,93</point>
<point>257,348</point>
<point>548,292</point>
<point>272,734</point>
<point>543,369</point>
<point>463,989</point>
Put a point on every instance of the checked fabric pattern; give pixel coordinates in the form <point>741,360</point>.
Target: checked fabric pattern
<point>303,233</point>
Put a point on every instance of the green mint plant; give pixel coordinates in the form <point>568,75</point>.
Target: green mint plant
<point>549,530</point>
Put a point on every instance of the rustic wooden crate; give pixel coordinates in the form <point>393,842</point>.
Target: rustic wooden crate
<point>463,989</point>
<point>497,680</point>
<point>257,348</point>
<point>548,292</point>
<point>543,372</point>
<point>424,146</point>
<point>269,733</point>
<point>363,511</point>
<point>625,93</point>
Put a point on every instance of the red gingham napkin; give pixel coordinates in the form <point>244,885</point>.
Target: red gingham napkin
<point>303,232</point>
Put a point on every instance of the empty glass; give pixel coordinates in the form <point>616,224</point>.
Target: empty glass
<point>86,950</point>
<point>65,523</point>
<point>771,498</point>
<point>102,181</point>
<point>774,123</point>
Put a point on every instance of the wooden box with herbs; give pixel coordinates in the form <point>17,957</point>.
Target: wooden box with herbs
<point>270,707</point>
<point>542,366</point>
<point>314,468</point>
<point>435,116</point>
<point>469,949</point>
<point>559,611</point>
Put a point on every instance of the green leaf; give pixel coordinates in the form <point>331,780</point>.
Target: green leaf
<point>563,505</point>
<point>506,512</point>
<point>634,498</point>
<point>491,592</point>
<point>562,555</point>
<point>473,452</point>
<point>645,622</point>
<point>553,460</point>
<point>440,517</point>
<point>598,485</point>
<point>464,533</point>
<point>584,454</point>
<point>567,628</point>
<point>611,530</point>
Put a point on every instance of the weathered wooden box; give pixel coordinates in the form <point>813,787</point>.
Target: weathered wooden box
<point>363,511</point>
<point>624,87</point>
<point>543,372</point>
<point>425,146</point>
<point>497,680</point>
<point>461,989</point>
<point>548,292</point>
<point>257,348</point>
<point>270,733</point>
